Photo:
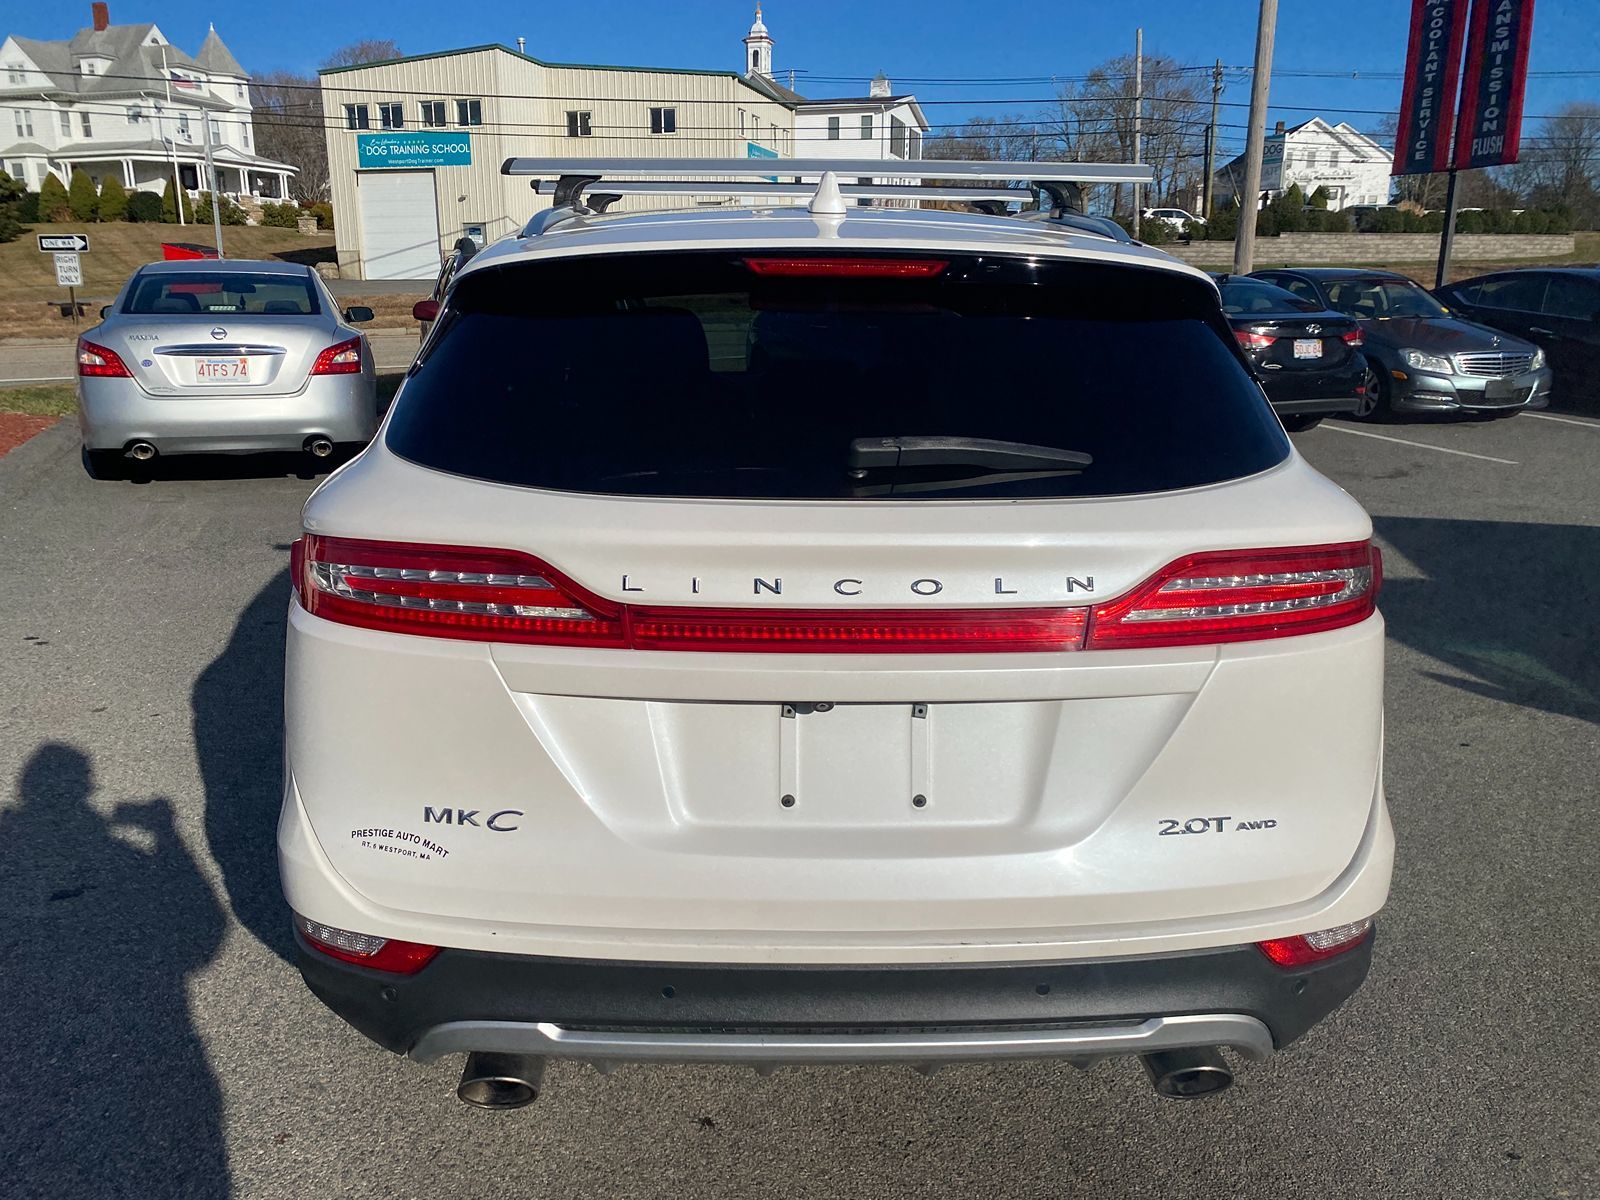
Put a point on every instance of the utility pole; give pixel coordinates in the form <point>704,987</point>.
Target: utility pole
<point>216,192</point>
<point>1211,137</point>
<point>1244,242</point>
<point>1138,122</point>
<point>177,182</point>
<point>1447,239</point>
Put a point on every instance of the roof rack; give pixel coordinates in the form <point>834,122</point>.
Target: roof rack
<point>1060,182</point>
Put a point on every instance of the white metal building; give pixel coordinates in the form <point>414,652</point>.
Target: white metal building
<point>121,100</point>
<point>415,144</point>
<point>1353,167</point>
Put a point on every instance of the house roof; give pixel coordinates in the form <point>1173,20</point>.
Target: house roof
<point>137,64</point>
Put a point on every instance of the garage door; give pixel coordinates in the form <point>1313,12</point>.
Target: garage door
<point>399,224</point>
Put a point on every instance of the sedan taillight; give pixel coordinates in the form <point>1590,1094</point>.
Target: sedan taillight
<point>507,596</point>
<point>97,361</point>
<point>342,358</point>
<point>1243,595</point>
<point>1353,338</point>
<point>1251,340</point>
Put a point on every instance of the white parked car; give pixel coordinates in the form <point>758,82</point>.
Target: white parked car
<point>1174,218</point>
<point>832,635</point>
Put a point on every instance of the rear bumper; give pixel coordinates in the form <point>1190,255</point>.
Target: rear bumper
<point>608,1010</point>
<point>1302,392</point>
<point>114,412</point>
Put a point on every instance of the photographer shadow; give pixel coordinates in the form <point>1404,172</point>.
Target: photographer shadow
<point>105,1089</point>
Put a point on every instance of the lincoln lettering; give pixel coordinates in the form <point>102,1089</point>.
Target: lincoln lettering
<point>850,585</point>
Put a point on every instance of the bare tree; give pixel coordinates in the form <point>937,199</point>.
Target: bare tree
<point>1560,165</point>
<point>367,50</point>
<point>1096,121</point>
<point>290,128</point>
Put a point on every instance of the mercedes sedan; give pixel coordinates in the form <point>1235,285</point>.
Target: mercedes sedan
<point>224,356</point>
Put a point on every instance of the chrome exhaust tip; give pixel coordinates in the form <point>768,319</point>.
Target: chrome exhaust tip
<point>1188,1074</point>
<point>318,446</point>
<point>500,1081</point>
<point>141,451</point>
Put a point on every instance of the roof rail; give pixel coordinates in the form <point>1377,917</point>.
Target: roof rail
<point>767,189</point>
<point>766,168</point>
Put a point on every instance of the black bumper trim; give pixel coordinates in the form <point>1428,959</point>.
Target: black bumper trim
<point>470,985</point>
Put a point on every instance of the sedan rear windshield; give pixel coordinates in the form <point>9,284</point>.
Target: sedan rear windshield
<point>176,293</point>
<point>767,376</point>
<point>1245,296</point>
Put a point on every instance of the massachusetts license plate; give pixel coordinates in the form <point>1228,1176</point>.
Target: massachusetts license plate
<point>1308,347</point>
<point>231,370</point>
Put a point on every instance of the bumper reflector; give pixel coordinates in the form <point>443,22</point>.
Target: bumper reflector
<point>1307,948</point>
<point>365,949</point>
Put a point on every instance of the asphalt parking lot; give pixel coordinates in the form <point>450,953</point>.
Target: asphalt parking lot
<point>160,1044</point>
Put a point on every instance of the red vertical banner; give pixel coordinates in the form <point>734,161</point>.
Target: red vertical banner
<point>1433,65</point>
<point>1489,127</point>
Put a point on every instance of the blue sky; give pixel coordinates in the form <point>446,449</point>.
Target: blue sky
<point>835,41</point>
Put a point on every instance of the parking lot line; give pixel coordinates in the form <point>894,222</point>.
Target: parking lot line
<point>1419,445</point>
<point>1564,420</point>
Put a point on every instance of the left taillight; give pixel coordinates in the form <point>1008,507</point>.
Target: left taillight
<point>448,591</point>
<point>97,361</point>
<point>1243,595</point>
<point>1249,339</point>
<point>341,358</point>
<point>366,949</point>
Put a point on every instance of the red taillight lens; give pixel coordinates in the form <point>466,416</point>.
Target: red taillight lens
<point>366,949</point>
<point>1241,595</point>
<point>1353,338</point>
<point>448,591</point>
<point>1252,340</point>
<point>835,631</point>
<point>854,268</point>
<point>1307,948</point>
<point>97,361</point>
<point>342,358</point>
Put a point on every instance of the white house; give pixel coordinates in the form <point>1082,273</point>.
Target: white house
<point>1353,167</point>
<point>877,127</point>
<point>121,100</point>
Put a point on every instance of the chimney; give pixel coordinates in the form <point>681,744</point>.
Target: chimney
<point>879,85</point>
<point>1278,129</point>
<point>102,15</point>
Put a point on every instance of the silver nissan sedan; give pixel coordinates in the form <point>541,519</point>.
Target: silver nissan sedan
<point>223,356</point>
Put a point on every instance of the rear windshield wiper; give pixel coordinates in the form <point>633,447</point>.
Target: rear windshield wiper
<point>886,453</point>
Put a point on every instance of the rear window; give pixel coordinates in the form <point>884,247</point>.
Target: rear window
<point>1244,296</point>
<point>695,375</point>
<point>221,292</point>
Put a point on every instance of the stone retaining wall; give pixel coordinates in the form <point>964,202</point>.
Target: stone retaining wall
<point>1336,248</point>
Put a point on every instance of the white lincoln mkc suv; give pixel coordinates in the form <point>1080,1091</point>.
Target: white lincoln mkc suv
<point>831,633</point>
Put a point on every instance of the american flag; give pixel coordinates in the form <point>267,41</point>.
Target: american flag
<point>183,81</point>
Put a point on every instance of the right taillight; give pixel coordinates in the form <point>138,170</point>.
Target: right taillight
<point>1306,948</point>
<point>1243,595</point>
<point>1353,338</point>
<point>342,358</point>
<point>97,361</point>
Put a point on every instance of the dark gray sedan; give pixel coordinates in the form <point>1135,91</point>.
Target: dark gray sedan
<point>1420,357</point>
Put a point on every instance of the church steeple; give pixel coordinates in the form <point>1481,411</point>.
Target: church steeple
<point>758,48</point>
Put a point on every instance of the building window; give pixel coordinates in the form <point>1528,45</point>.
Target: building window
<point>238,91</point>
<point>1333,158</point>
<point>916,144</point>
<point>433,114</point>
<point>135,115</point>
<point>24,119</point>
<point>244,135</point>
<point>897,137</point>
<point>90,68</point>
<point>356,117</point>
<point>16,73</point>
<point>866,127</point>
<point>215,130</point>
<point>741,122</point>
<point>663,120</point>
<point>469,112</point>
<point>833,129</point>
<point>578,124</point>
<point>83,119</point>
<point>66,123</point>
<point>392,115</point>
<point>183,127</point>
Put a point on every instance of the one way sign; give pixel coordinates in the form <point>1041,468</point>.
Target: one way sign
<point>51,242</point>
